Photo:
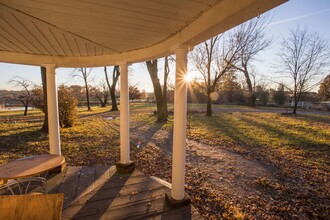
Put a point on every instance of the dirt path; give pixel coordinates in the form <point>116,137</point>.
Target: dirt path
<point>228,170</point>
<point>230,180</point>
<point>232,185</point>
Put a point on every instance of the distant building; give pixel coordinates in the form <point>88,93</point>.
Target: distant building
<point>302,104</point>
<point>150,97</point>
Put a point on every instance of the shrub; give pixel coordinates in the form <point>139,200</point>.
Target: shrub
<point>66,107</point>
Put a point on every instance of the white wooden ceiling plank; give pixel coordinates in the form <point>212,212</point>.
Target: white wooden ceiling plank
<point>10,44</point>
<point>26,30</point>
<point>62,41</point>
<point>72,43</point>
<point>46,31</point>
<point>54,15</point>
<point>12,41</point>
<point>5,47</point>
<point>167,8</point>
<point>81,44</point>
<point>39,37</point>
<point>91,49</point>
<point>99,50</point>
<point>121,29</point>
<point>136,7</point>
<point>17,35</point>
<point>85,21</point>
<point>127,35</point>
<point>96,11</point>
<point>199,26</point>
<point>43,39</point>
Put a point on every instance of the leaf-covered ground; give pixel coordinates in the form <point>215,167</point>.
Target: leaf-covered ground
<point>241,163</point>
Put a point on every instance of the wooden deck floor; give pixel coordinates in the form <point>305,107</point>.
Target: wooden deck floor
<point>103,193</point>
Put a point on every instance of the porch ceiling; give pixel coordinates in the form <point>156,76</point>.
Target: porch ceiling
<point>106,32</point>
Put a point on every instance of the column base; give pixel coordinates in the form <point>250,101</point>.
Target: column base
<point>125,167</point>
<point>177,203</point>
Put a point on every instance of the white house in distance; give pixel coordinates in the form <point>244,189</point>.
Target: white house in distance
<point>91,33</point>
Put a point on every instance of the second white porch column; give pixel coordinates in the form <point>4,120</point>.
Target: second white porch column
<point>124,115</point>
<point>52,108</point>
<point>179,131</point>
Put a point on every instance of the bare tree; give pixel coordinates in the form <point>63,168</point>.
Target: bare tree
<point>85,73</point>
<point>303,56</point>
<point>166,73</point>
<point>112,87</point>
<point>250,40</point>
<point>25,95</point>
<point>213,59</point>
<point>44,89</point>
<point>159,94</point>
<point>101,93</point>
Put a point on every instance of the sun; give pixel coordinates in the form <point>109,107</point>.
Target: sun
<point>188,78</point>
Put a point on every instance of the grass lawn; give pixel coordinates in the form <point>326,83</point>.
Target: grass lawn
<point>295,148</point>
<point>301,138</point>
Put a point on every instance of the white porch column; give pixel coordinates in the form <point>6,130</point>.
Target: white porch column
<point>179,131</point>
<point>52,108</point>
<point>124,115</point>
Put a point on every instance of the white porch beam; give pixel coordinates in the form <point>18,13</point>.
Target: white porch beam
<point>179,131</point>
<point>124,115</point>
<point>52,108</point>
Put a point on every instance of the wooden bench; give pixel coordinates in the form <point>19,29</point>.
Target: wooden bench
<point>35,206</point>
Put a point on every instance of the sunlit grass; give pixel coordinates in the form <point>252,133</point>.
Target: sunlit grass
<point>304,137</point>
<point>6,113</point>
<point>301,137</point>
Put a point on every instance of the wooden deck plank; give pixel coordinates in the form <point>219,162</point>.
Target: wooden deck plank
<point>130,194</point>
<point>102,174</point>
<point>69,184</point>
<point>117,202</point>
<point>117,196</point>
<point>54,181</point>
<point>86,181</point>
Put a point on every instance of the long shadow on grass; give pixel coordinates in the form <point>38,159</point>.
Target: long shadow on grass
<point>153,127</point>
<point>105,113</point>
<point>142,122</point>
<point>20,139</point>
<point>18,128</point>
<point>293,139</point>
<point>324,119</point>
<point>250,144</point>
<point>222,124</point>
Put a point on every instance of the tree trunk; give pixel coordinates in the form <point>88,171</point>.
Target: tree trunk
<point>44,88</point>
<point>115,77</point>
<point>251,97</point>
<point>294,111</point>
<point>113,99</point>
<point>161,108</point>
<point>296,99</point>
<point>26,105</point>
<point>112,88</point>
<point>87,97</point>
<point>166,72</point>
<point>209,103</point>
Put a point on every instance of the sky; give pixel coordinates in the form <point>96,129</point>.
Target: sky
<point>313,14</point>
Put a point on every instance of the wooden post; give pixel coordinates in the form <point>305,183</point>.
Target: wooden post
<point>125,165</point>
<point>179,131</point>
<point>52,108</point>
